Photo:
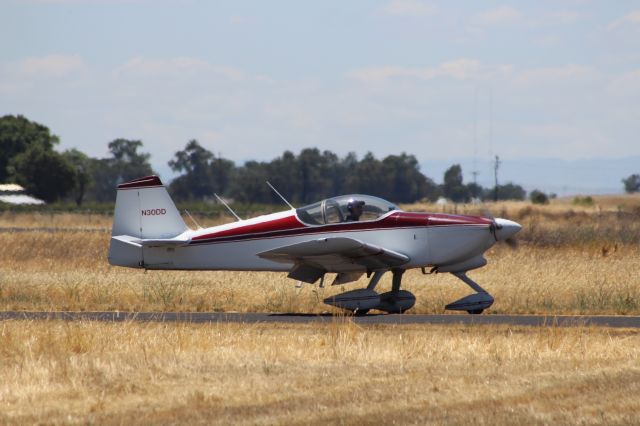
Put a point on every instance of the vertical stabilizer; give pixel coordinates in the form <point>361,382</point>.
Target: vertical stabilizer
<point>144,210</point>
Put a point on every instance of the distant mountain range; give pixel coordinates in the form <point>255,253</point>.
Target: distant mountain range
<point>563,177</point>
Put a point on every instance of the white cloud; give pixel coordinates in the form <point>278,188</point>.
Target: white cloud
<point>560,74</point>
<point>428,111</point>
<point>632,19</point>
<point>179,66</point>
<point>461,69</point>
<point>51,65</point>
<point>499,15</point>
<point>408,8</point>
<point>562,17</point>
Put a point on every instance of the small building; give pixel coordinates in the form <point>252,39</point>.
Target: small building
<point>12,193</point>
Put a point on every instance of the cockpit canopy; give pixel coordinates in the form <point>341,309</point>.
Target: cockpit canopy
<point>345,208</point>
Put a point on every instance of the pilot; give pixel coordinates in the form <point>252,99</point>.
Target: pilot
<point>355,210</point>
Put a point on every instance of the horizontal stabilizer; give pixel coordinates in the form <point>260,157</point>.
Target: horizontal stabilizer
<point>178,241</point>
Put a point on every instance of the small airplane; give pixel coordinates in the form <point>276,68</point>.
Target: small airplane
<point>349,235</point>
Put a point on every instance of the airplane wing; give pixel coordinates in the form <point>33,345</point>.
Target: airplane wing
<point>313,258</point>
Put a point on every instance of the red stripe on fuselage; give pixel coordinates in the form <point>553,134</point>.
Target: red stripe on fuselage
<point>291,226</point>
<point>288,223</point>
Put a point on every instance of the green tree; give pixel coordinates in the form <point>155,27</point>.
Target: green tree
<point>203,174</point>
<point>340,170</point>
<point>632,184</point>
<point>249,185</point>
<point>194,164</point>
<point>474,190</point>
<point>125,164</point>
<point>509,191</point>
<point>222,171</point>
<point>369,176</point>
<point>315,179</point>
<point>284,174</point>
<point>81,164</point>
<point>43,172</point>
<point>453,186</point>
<point>17,134</point>
<point>407,184</point>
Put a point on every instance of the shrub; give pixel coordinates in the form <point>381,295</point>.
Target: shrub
<point>538,197</point>
<point>583,201</point>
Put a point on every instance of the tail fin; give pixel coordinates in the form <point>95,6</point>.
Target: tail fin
<point>144,212</point>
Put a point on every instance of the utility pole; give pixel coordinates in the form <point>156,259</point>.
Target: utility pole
<point>496,166</point>
<point>475,171</point>
<point>475,174</point>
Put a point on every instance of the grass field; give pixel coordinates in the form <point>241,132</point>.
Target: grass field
<point>568,261</point>
<point>340,373</point>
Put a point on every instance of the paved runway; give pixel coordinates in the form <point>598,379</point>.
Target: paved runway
<point>209,317</point>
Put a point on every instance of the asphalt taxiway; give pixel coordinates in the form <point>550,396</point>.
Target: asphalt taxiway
<point>237,317</point>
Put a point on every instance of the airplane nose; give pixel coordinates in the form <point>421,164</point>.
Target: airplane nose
<point>506,228</point>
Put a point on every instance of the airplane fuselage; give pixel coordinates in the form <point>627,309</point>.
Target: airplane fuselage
<point>235,246</point>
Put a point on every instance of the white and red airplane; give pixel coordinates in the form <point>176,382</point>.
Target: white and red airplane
<point>348,235</point>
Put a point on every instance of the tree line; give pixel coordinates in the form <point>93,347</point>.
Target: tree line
<point>29,158</point>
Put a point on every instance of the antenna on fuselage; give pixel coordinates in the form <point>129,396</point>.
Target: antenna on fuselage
<point>227,206</point>
<point>280,195</point>
<point>192,219</point>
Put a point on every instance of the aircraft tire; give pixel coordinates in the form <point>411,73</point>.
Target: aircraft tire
<point>360,312</point>
<point>475,311</point>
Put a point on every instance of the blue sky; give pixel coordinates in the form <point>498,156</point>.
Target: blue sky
<point>446,81</point>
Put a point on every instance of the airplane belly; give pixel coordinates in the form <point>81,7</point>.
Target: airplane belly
<point>232,255</point>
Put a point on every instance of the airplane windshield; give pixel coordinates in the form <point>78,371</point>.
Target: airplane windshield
<point>346,208</point>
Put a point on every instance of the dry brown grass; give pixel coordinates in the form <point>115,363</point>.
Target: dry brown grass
<point>83,221</point>
<point>10,219</point>
<point>68,271</point>
<point>558,206</point>
<point>340,373</point>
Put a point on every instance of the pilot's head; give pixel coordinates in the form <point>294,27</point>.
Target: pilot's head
<point>355,207</point>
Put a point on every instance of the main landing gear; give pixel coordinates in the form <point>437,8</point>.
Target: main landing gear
<point>360,301</point>
<point>397,301</point>
<point>473,303</point>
